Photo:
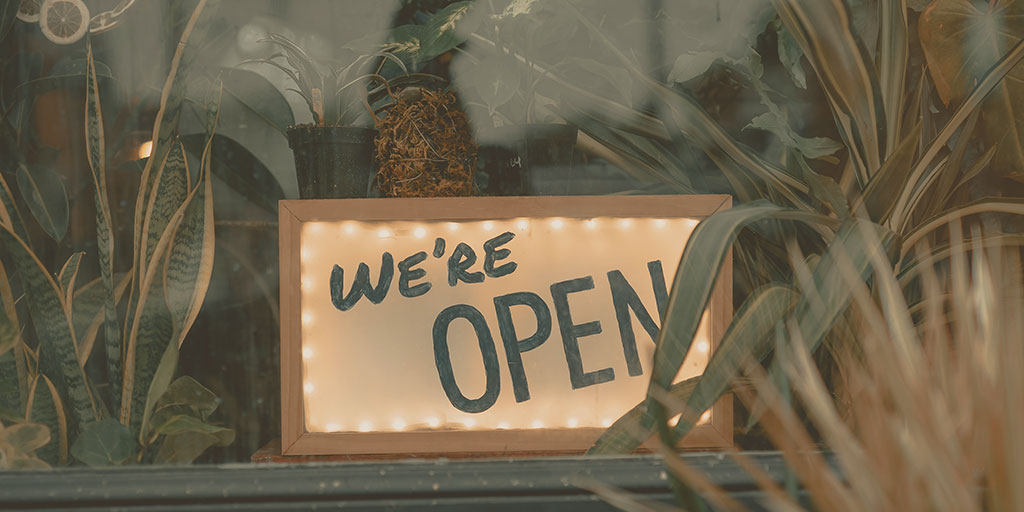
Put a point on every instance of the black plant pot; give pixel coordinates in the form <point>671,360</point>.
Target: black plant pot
<point>512,155</point>
<point>332,162</point>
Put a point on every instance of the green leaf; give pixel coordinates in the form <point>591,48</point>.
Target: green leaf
<point>158,387</point>
<point>777,123</point>
<point>9,337</point>
<point>823,31</point>
<point>188,437</point>
<point>46,407</point>
<point>166,126</point>
<point>8,13</point>
<point>96,150</point>
<point>962,40</point>
<point>496,80</point>
<point>258,95</point>
<point>25,438</point>
<point>240,169</point>
<point>818,307</point>
<point>449,28</point>
<point>58,356</point>
<point>105,443</point>
<point>695,278</point>
<point>745,338</point>
<point>185,396</point>
<point>9,214</point>
<point>67,74</point>
<point>68,273</point>
<point>47,199</point>
<point>790,56</point>
<point>88,313</point>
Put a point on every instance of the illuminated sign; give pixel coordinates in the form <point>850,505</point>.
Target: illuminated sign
<point>499,325</point>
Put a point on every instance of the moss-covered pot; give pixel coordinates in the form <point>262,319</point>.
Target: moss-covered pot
<point>332,162</point>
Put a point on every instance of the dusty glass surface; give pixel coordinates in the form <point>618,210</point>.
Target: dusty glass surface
<point>144,146</point>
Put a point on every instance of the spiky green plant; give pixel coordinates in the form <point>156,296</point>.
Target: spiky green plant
<point>934,385</point>
<point>140,412</point>
<point>904,173</point>
<point>341,95</point>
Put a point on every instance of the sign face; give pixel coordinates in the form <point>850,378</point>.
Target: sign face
<point>495,325</point>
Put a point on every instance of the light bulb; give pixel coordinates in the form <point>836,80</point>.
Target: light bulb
<point>365,426</point>
<point>433,422</point>
<point>557,224</point>
<point>309,387</point>
<point>398,424</point>
<point>573,422</point>
<point>307,353</point>
<point>537,424</point>
<point>384,233</point>
<point>420,232</point>
<point>488,226</point>
<point>145,149</point>
<point>522,224</point>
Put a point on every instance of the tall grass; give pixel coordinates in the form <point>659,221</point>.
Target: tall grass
<point>934,379</point>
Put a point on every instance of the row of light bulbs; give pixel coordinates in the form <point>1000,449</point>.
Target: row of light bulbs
<point>557,223</point>
<point>399,424</point>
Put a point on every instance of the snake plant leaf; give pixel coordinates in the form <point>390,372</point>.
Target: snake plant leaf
<point>449,28</point>
<point>962,40</point>
<point>157,388</point>
<point>58,357</point>
<point>259,96</point>
<point>9,214</point>
<point>104,443</point>
<point>13,367</point>
<point>9,337</point>
<point>188,437</point>
<point>745,337</point>
<point>170,184</point>
<point>96,151</point>
<point>166,125</point>
<point>67,276</point>
<point>157,319</point>
<point>240,169</point>
<point>47,199</point>
<point>88,313</point>
<point>8,13</point>
<point>46,407</point>
<point>824,32</point>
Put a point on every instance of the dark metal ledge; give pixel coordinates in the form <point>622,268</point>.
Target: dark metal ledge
<point>499,484</point>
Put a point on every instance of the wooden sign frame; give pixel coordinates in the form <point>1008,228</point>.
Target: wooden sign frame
<point>296,440</point>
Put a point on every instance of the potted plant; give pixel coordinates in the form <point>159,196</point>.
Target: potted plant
<point>334,155</point>
<point>509,101</point>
